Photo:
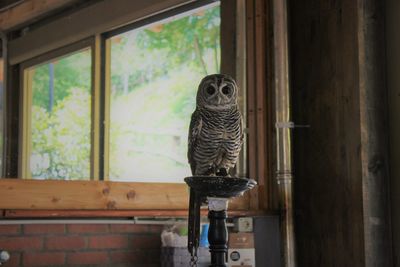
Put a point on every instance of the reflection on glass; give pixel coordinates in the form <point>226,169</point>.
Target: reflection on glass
<point>61,117</point>
<point>155,71</point>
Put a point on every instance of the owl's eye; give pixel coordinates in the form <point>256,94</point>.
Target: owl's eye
<point>210,90</point>
<point>226,90</point>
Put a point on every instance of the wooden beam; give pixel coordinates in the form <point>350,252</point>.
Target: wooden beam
<point>97,195</point>
<point>29,10</point>
<point>84,23</point>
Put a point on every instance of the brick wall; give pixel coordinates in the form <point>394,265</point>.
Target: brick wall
<point>116,245</point>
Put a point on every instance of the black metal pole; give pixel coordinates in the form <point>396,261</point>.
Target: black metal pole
<point>218,238</point>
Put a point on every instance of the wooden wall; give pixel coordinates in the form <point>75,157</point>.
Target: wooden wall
<point>338,88</point>
<point>393,55</point>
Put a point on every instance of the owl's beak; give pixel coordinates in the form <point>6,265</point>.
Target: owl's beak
<point>219,99</point>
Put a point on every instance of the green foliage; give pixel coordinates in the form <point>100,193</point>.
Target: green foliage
<point>61,139</point>
<point>69,72</point>
<point>186,40</point>
<point>140,56</point>
<point>149,128</point>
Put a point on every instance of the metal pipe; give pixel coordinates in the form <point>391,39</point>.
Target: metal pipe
<point>284,175</point>
<point>88,221</point>
<point>97,221</point>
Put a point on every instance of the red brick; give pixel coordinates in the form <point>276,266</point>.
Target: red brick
<point>128,256</point>
<point>98,257</point>
<point>43,259</point>
<point>20,243</point>
<point>87,228</point>
<point>129,228</point>
<point>108,241</point>
<point>65,243</point>
<point>150,241</point>
<point>10,229</point>
<point>44,229</point>
<point>14,261</point>
<point>156,229</point>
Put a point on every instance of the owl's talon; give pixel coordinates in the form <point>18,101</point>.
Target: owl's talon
<point>222,172</point>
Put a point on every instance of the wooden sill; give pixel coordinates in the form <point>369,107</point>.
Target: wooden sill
<point>98,198</point>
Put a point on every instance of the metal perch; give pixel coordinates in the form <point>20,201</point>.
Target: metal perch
<point>216,191</point>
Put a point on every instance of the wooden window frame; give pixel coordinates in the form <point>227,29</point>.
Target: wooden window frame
<point>26,100</point>
<point>25,198</point>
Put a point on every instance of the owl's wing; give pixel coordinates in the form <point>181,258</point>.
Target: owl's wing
<point>194,132</point>
<point>241,129</point>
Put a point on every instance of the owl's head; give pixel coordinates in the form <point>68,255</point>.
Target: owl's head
<point>217,91</point>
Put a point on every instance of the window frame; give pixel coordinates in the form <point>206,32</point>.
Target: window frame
<point>26,100</point>
<point>255,202</point>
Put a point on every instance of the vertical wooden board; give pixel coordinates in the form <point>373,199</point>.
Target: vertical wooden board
<point>393,66</point>
<point>241,80</point>
<point>242,202</point>
<point>12,129</point>
<point>327,163</point>
<point>374,133</point>
<point>251,95</point>
<point>261,98</point>
<point>228,37</point>
<point>270,135</point>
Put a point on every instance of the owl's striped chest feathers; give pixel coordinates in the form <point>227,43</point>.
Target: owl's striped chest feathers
<point>219,141</point>
<point>220,127</point>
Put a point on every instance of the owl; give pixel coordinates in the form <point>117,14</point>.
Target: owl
<point>216,131</point>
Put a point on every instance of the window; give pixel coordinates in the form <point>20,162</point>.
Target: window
<point>124,116</point>
<point>58,117</point>
<point>155,71</point>
<point>152,72</point>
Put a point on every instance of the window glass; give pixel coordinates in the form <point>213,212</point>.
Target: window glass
<point>60,119</point>
<point>155,71</point>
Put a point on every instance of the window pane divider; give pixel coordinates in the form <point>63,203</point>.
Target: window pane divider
<point>107,92</point>
<point>25,148</point>
<point>96,87</point>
